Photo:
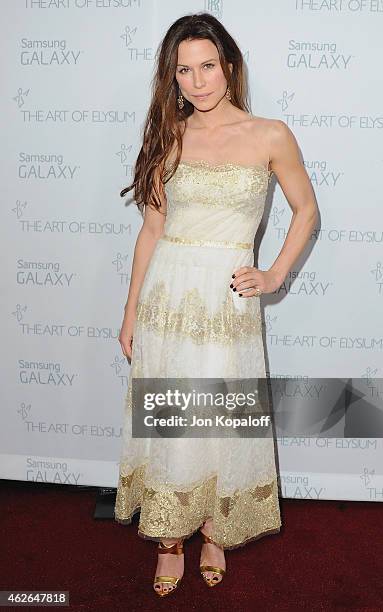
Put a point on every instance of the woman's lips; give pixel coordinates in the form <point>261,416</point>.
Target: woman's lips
<point>202,97</point>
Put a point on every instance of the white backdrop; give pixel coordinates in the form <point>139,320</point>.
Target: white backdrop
<point>75,85</point>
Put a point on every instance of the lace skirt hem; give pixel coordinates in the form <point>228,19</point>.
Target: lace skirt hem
<point>186,536</point>
<point>238,518</point>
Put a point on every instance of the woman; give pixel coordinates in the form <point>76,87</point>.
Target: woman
<point>193,307</point>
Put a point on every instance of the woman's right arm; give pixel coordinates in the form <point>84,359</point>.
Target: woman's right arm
<point>150,232</point>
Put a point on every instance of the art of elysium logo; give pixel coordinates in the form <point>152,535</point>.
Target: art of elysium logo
<point>377,274</point>
<point>52,116</point>
<point>135,53</point>
<point>334,7</point>
<point>40,225</point>
<point>122,268</point>
<point>304,119</point>
<point>54,328</point>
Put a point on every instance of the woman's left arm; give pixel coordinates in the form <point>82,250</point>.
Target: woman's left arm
<point>287,165</point>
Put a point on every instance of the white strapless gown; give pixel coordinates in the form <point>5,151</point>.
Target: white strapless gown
<point>191,324</point>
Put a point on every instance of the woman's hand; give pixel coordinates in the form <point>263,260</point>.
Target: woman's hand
<point>126,336</point>
<point>250,281</point>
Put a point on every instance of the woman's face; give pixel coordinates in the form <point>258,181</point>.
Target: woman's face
<point>199,72</point>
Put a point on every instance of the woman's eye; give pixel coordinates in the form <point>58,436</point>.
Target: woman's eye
<point>182,71</point>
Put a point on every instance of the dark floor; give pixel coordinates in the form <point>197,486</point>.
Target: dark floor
<point>328,556</point>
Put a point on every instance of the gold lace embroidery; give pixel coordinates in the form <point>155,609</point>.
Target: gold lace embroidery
<point>209,243</point>
<point>217,167</point>
<point>192,318</point>
<point>196,183</point>
<point>246,515</point>
<point>257,177</point>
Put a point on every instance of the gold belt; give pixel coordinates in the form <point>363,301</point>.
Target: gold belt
<point>211,243</point>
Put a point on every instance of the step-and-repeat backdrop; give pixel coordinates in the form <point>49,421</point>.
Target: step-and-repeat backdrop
<point>75,90</point>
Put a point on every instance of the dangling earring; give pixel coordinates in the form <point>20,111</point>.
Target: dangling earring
<point>180,101</point>
<point>228,94</point>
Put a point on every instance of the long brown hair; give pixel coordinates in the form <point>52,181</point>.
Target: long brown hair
<point>162,128</point>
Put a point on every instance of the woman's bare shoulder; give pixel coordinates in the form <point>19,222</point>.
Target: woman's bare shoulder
<point>267,124</point>
<point>272,130</point>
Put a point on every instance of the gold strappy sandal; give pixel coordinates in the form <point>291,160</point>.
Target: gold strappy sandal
<point>174,549</point>
<point>210,568</point>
